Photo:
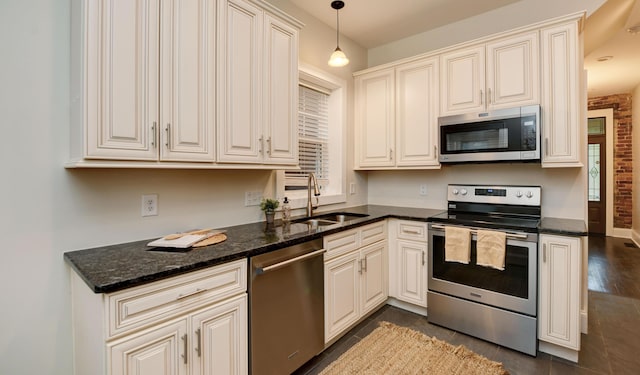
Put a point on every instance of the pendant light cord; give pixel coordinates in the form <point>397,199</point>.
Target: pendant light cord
<point>338,28</point>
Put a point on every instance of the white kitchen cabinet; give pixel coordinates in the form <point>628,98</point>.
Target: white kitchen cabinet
<point>559,295</point>
<point>396,116</point>
<point>258,86</point>
<point>563,117</point>
<point>408,271</point>
<point>356,276</point>
<point>144,80</point>
<point>498,74</point>
<point>190,324</point>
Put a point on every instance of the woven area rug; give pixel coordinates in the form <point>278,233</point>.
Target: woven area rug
<point>391,349</point>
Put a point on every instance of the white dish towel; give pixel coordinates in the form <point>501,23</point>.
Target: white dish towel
<point>491,248</point>
<point>457,244</point>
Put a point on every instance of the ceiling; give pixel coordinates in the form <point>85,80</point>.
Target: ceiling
<point>372,23</point>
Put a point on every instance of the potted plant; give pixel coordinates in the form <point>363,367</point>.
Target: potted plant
<point>269,206</point>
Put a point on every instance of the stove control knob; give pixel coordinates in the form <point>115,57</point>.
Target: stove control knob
<point>529,194</point>
<point>454,191</point>
<point>519,194</point>
<point>463,191</point>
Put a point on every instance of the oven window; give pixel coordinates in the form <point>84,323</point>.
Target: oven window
<point>489,139</point>
<point>514,280</point>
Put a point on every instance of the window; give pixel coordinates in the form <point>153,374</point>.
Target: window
<point>321,140</point>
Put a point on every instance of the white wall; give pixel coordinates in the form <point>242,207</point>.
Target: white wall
<point>48,210</point>
<point>520,13</point>
<point>635,136</point>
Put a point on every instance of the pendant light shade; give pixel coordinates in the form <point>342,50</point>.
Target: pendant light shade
<point>338,58</point>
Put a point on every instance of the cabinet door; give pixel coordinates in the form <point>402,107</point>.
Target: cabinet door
<point>187,96</point>
<point>158,351</point>
<point>559,315</point>
<point>240,136</point>
<point>512,71</point>
<point>375,267</point>
<point>281,93</point>
<point>561,109</point>
<point>375,116</point>
<point>462,81</point>
<point>412,272</point>
<point>341,287</point>
<point>417,113</point>
<point>219,336</point>
<point>121,79</point>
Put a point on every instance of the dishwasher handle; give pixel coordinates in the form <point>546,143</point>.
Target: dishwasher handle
<point>276,266</point>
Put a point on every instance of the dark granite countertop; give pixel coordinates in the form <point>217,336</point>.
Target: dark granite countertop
<point>112,268</point>
<point>567,227</point>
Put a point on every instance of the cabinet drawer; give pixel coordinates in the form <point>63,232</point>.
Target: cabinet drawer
<point>373,233</point>
<point>138,307</point>
<point>341,243</point>
<point>412,230</point>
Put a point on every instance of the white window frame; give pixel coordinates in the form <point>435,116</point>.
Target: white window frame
<point>313,77</point>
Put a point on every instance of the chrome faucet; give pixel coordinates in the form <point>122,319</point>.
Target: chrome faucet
<point>316,192</point>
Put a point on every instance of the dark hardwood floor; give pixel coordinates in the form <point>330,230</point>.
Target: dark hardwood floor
<point>611,347</point>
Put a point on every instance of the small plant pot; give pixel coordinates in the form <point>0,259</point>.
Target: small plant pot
<point>269,215</point>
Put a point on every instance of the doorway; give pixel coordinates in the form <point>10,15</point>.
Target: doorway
<point>600,172</point>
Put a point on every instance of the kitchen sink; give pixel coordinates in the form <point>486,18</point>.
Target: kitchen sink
<point>330,219</point>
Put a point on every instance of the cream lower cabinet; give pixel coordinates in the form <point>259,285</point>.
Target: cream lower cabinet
<point>195,324</point>
<point>408,271</point>
<point>396,116</point>
<point>560,264</point>
<point>355,276</point>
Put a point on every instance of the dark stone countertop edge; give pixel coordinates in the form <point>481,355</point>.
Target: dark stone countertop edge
<point>561,226</point>
<point>97,266</point>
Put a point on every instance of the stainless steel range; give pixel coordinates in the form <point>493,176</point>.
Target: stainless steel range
<point>497,305</point>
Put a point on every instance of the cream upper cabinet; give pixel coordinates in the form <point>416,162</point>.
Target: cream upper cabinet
<point>563,97</point>
<point>501,73</point>
<point>375,115</point>
<point>146,83</point>
<point>559,295</point>
<point>396,116</point>
<point>187,80</point>
<point>258,86</point>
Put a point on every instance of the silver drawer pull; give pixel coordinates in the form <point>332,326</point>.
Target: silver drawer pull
<point>411,231</point>
<point>197,291</point>
<point>184,340</point>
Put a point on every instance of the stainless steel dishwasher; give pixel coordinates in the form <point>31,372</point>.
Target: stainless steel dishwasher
<point>286,308</point>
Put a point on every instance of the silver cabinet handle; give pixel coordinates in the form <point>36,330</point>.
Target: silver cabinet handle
<point>410,231</point>
<point>544,253</point>
<point>260,144</point>
<point>197,291</point>
<point>364,262</point>
<point>489,96</point>
<point>423,260</point>
<point>168,130</point>
<point>289,261</point>
<point>154,135</point>
<point>184,340</point>
<point>198,340</point>
<point>390,154</point>
<point>269,146</point>
<point>481,97</point>
<point>360,266</point>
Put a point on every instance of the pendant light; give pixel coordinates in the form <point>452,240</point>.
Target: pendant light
<point>338,58</point>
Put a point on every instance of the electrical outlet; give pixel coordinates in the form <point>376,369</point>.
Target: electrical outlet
<point>252,198</point>
<point>423,189</point>
<point>352,188</point>
<point>150,205</point>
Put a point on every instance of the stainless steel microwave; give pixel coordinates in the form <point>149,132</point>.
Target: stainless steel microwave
<point>511,134</point>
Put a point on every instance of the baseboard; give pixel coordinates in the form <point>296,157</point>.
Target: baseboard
<point>407,306</point>
<point>622,232</point>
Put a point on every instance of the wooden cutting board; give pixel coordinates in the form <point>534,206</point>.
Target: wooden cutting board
<point>216,238</point>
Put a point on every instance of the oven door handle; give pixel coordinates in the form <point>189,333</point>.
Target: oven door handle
<point>473,231</point>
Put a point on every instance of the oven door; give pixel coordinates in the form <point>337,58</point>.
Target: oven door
<point>512,289</point>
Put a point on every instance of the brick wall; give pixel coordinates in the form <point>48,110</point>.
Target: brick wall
<point>622,154</point>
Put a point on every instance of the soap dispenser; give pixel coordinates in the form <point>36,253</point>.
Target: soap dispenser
<point>286,210</point>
